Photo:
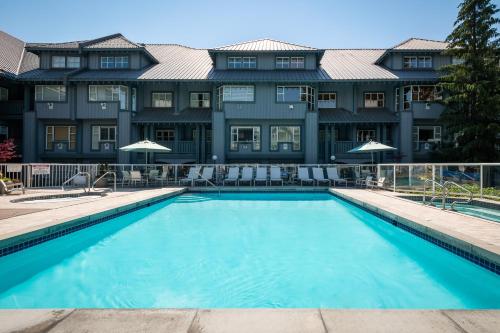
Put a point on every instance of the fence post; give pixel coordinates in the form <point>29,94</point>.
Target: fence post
<point>394,178</point>
<point>433,179</point>
<point>481,181</point>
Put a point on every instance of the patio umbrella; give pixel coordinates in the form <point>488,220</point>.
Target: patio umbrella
<point>146,146</point>
<point>371,147</point>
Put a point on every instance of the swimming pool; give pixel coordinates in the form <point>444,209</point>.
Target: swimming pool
<point>295,250</point>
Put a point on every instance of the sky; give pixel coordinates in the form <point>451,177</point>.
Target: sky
<point>208,24</point>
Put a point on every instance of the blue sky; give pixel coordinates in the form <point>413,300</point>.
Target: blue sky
<point>205,24</point>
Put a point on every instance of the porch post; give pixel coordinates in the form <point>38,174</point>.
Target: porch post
<point>203,144</point>
<point>176,139</point>
<point>326,133</point>
<point>332,140</point>
<point>196,140</point>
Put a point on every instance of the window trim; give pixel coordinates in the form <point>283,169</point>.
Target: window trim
<point>373,92</point>
<point>329,93</point>
<point>79,61</point>
<point>127,106</point>
<point>374,138</point>
<point>237,85</point>
<point>245,126</point>
<point>65,61</point>
<point>416,143</point>
<point>301,142</point>
<point>114,61</point>
<point>417,64</point>
<point>310,103</point>
<point>68,138</point>
<point>59,101</point>
<point>100,141</point>
<point>163,107</point>
<point>242,57</point>
<point>201,92</point>
<point>164,130</point>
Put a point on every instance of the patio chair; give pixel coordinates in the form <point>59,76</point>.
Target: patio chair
<point>246,175</point>
<point>135,177</point>
<point>193,174</point>
<point>376,184</point>
<point>364,182</point>
<point>275,175</point>
<point>261,176</point>
<point>319,176</point>
<point>303,176</point>
<point>206,176</point>
<point>125,177</point>
<point>153,175</point>
<point>10,187</point>
<point>232,176</point>
<point>162,178</point>
<point>333,176</point>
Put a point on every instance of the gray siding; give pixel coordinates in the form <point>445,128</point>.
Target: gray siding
<point>395,60</point>
<point>420,110</point>
<point>124,134</point>
<point>93,110</point>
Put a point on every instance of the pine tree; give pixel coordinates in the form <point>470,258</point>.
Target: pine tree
<point>472,100</point>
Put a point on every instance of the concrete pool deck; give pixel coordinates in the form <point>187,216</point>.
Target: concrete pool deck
<point>248,321</point>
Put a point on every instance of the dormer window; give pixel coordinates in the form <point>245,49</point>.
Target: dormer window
<point>65,62</point>
<point>374,100</point>
<point>290,62</point>
<point>413,62</point>
<point>241,62</point>
<point>113,62</point>
<point>58,62</point>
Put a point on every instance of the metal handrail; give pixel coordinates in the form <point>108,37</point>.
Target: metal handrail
<point>469,193</point>
<point>106,173</point>
<point>443,196</point>
<point>207,180</point>
<point>87,177</point>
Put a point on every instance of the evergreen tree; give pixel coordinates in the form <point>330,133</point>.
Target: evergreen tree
<point>471,86</point>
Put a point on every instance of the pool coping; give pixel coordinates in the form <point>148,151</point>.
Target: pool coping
<point>461,247</point>
<point>40,235</point>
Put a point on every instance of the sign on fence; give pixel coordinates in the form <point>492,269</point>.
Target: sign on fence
<point>14,167</point>
<point>40,169</point>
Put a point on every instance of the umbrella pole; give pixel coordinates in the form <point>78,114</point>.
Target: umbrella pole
<point>372,156</point>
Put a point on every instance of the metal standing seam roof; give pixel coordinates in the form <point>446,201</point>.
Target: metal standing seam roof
<point>362,116</point>
<point>114,42</point>
<point>265,44</point>
<point>150,115</point>
<point>421,44</point>
<point>11,53</point>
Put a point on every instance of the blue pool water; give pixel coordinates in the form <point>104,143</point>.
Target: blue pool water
<point>244,250</point>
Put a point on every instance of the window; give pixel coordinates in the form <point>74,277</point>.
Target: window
<point>396,99</point>
<point>4,133</point>
<point>199,100</point>
<point>4,94</point>
<point>161,100</point>
<point>109,62</point>
<point>237,93</point>
<point>427,93</point>
<point>426,136</point>
<point>50,93</point>
<point>365,135</point>
<point>73,62</point>
<point>165,135</point>
<point>282,62</point>
<point>457,61</point>
<point>134,99</point>
<point>58,62</point>
<point>102,134</point>
<point>374,100</point>
<point>410,62</point>
<point>327,100</point>
<point>108,93</point>
<point>285,135</point>
<point>297,62</point>
<point>241,62</point>
<point>60,134</point>
<point>294,94</point>
<point>245,135</point>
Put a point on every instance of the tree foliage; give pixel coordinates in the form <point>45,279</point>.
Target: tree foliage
<point>471,86</point>
<point>7,150</point>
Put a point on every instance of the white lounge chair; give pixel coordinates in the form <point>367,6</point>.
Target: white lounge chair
<point>261,176</point>
<point>206,176</point>
<point>246,175</point>
<point>125,177</point>
<point>232,176</point>
<point>275,175</point>
<point>163,178</point>
<point>153,174</point>
<point>135,177</point>
<point>303,176</point>
<point>364,182</point>
<point>379,183</point>
<point>193,174</point>
<point>333,176</point>
<point>319,176</point>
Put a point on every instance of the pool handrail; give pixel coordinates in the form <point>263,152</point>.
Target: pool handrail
<point>87,177</point>
<point>443,195</point>
<point>449,183</point>
<point>105,174</point>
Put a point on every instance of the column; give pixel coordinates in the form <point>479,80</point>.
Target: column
<point>196,140</point>
<point>326,134</point>
<point>311,137</point>
<point>30,147</point>
<point>332,141</point>
<point>203,144</point>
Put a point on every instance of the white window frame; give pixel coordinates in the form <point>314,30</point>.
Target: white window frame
<point>118,94</point>
<point>306,95</point>
<point>56,61</point>
<point>276,141</point>
<point>246,94</point>
<point>376,100</point>
<point>329,102</point>
<point>239,62</point>
<point>297,62</point>
<point>97,138</point>
<point>365,135</point>
<point>410,62</point>
<point>40,92</point>
<point>437,136</point>
<point>161,99</point>
<point>73,62</point>
<point>114,62</point>
<point>4,94</point>
<point>425,62</point>
<point>196,103</point>
<point>282,62</point>
<point>71,131</point>
<point>160,134</point>
<point>255,142</point>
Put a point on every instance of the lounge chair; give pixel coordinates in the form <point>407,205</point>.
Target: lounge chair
<point>275,175</point>
<point>261,176</point>
<point>135,177</point>
<point>193,174</point>
<point>379,183</point>
<point>364,182</point>
<point>333,176</point>
<point>162,178</point>
<point>206,176</point>
<point>10,187</point>
<point>246,175</point>
<point>125,177</point>
<point>232,176</point>
<point>303,176</point>
<point>153,175</point>
<point>319,176</point>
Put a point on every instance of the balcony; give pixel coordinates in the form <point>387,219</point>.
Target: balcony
<point>98,110</point>
<point>53,110</point>
<point>179,147</point>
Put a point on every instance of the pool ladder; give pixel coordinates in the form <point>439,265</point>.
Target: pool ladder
<point>445,191</point>
<point>209,182</point>
<point>87,180</point>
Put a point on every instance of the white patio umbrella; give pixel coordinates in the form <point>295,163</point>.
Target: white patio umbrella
<point>146,146</point>
<point>371,147</point>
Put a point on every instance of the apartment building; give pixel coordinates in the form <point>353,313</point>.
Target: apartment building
<point>258,101</point>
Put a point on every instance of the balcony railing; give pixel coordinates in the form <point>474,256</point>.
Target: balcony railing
<point>179,147</point>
